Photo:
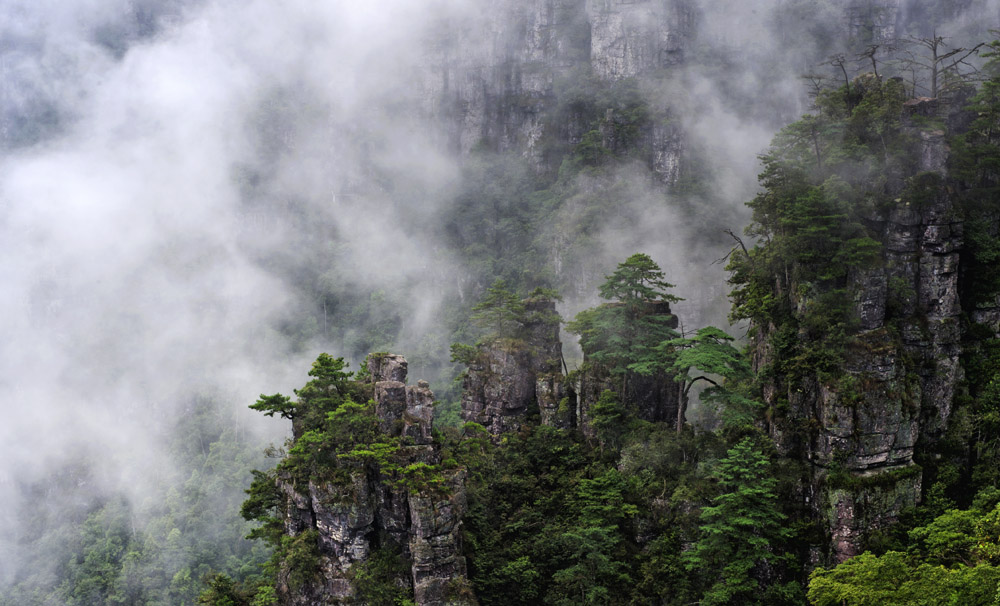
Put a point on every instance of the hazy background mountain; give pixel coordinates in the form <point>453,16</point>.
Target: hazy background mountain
<point>197,197</point>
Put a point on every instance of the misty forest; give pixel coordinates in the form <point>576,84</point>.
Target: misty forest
<point>499,303</point>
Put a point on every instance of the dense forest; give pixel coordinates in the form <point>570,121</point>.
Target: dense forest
<point>661,302</point>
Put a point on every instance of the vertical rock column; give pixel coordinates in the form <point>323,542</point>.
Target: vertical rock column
<point>508,377</point>
<point>860,430</point>
<point>439,569</point>
<point>425,522</point>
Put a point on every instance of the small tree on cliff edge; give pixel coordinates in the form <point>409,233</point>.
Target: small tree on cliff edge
<point>500,312</point>
<point>626,331</point>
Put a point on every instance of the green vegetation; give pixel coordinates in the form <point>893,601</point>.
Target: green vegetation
<point>624,335</point>
<point>739,549</point>
<point>163,551</point>
<point>623,510</point>
<point>952,560</point>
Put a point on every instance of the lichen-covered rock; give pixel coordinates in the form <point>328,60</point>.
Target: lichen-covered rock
<point>495,75</point>
<point>387,367</point>
<point>873,21</point>
<point>669,150</point>
<point>390,404</point>
<point>342,518</point>
<point>439,572</point>
<point>499,387</point>
<point>418,418</point>
<point>851,514</point>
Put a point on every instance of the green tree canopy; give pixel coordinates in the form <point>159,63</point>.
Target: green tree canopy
<point>637,280</point>
<point>500,313</point>
<point>623,334</point>
<point>742,533</point>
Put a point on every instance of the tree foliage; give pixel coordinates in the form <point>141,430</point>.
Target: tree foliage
<point>739,550</point>
<point>624,334</point>
<point>500,314</point>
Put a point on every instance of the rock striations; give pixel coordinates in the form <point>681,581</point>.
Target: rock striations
<point>859,433</point>
<point>511,94</point>
<point>351,520</point>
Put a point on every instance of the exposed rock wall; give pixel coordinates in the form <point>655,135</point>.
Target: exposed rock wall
<point>629,38</point>
<point>510,378</point>
<point>901,370</point>
<point>348,521</point>
<point>499,387</point>
<point>497,76</point>
<point>874,21</point>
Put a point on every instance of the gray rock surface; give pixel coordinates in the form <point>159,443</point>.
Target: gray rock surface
<point>629,38</point>
<point>375,510</point>
<point>511,377</point>
<point>901,371</point>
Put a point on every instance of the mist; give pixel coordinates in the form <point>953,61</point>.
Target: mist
<point>137,260</point>
<point>179,180</point>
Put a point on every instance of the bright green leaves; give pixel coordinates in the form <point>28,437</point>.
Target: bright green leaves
<point>895,578</point>
<point>709,356</point>
<point>596,545</point>
<point>609,419</point>
<point>329,387</point>
<point>951,560</point>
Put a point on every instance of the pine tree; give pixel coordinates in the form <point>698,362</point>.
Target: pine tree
<point>623,335</point>
<point>741,533</point>
<point>500,312</point>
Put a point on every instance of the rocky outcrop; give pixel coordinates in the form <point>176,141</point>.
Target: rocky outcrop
<point>438,571</point>
<point>859,431</point>
<point>510,378</point>
<point>342,522</point>
<point>499,387</point>
<point>654,398</point>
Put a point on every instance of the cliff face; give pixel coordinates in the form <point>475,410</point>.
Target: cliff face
<point>511,378</point>
<point>374,512</point>
<point>859,432</point>
<point>629,39</point>
<point>511,94</point>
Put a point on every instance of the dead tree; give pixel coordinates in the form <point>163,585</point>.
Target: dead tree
<point>934,57</point>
